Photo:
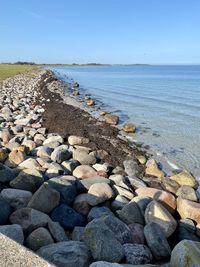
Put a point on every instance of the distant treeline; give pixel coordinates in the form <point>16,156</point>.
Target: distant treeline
<point>19,63</point>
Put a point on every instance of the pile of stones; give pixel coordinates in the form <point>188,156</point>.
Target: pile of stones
<point>58,200</point>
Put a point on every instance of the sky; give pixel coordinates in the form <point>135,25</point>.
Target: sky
<point>101,31</point>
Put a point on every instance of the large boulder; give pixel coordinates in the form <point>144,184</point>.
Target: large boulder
<point>14,232</point>
<point>5,210</point>
<point>152,169</point>
<point>66,254</point>
<point>84,158</point>
<point>84,171</point>
<point>29,219</point>
<point>102,242</point>
<point>85,184</point>
<point>185,178</point>
<point>186,254</point>
<point>188,209</point>
<point>131,213</point>
<point>67,217</point>
<point>60,154</point>
<point>45,199</point>
<point>186,192</point>
<point>99,193</point>
<point>98,212</point>
<point>6,174</point>
<point>131,167</point>
<point>158,214</point>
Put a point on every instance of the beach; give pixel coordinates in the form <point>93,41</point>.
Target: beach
<point>77,192</point>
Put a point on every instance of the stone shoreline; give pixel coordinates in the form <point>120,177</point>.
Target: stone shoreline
<point>77,195</point>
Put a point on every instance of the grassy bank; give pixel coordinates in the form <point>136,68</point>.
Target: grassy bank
<point>8,70</point>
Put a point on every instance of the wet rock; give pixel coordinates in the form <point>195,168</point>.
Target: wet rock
<point>99,193</point>
<point>28,179</point>
<point>157,213</point>
<point>66,188</point>
<point>98,212</point>
<point>137,233</point>
<point>84,171</point>
<point>185,178</point>
<point>77,140</point>
<point>188,209</point>
<point>67,217</point>
<point>29,219</point>
<point>186,254</point>
<point>16,198</point>
<point>186,192</point>
<point>129,128</point>
<point>111,119</point>
<point>60,154</point>
<point>152,169</point>
<point>167,199</point>
<point>131,213</point>
<point>66,254</point>
<point>137,254</point>
<point>45,199</point>
<point>57,231</point>
<point>157,241</point>
<point>90,102</point>
<point>101,241</point>
<point>14,232</point>
<point>84,158</point>
<point>39,238</point>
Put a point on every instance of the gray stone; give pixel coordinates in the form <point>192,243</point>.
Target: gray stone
<point>66,254</point>
<point>78,233</point>
<point>137,254</point>
<point>84,158</point>
<point>54,138</point>
<point>54,170</point>
<point>14,232</point>
<point>131,213</point>
<point>66,188</point>
<point>104,264</point>
<point>5,211</point>
<point>16,198</point>
<point>28,179</point>
<point>131,167</point>
<point>119,203</point>
<point>98,212</point>
<point>157,241</point>
<point>81,205</point>
<point>101,241</point>
<point>136,182</point>
<point>45,199</point>
<point>29,219</point>
<point>117,179</point>
<point>60,154</point>
<point>70,165</point>
<point>77,140</point>
<point>99,193</point>
<point>137,233</point>
<point>142,202</point>
<point>57,231</point>
<point>39,238</point>
<point>44,152</point>
<point>6,174</point>
<point>84,185</point>
<point>123,192</point>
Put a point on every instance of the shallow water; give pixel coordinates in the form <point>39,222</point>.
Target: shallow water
<point>163,101</point>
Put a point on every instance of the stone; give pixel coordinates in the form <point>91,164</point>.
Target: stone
<point>185,178</point>
<point>90,102</point>
<point>57,232</point>
<point>98,212</point>
<point>44,152</point>
<point>23,122</point>
<point>184,232</point>
<point>5,210</point>
<point>117,179</point>
<point>119,203</point>
<point>167,199</point>
<point>54,170</point>
<point>66,254</point>
<point>29,144</point>
<point>3,155</point>
<point>5,136</point>
<point>123,192</point>
<point>14,232</point>
<point>137,233</point>
<point>29,219</point>
<point>136,182</point>
<point>39,238</point>
<point>101,167</point>
<point>137,254</point>
<point>104,264</point>
<point>60,154</point>
<point>29,163</point>
<point>81,205</point>
<point>70,165</point>
<point>15,255</point>
<point>45,199</point>
<point>170,185</point>
<point>67,217</point>
<point>6,174</point>
<point>157,241</point>
<point>28,179</point>
<point>119,228</point>
<point>77,140</point>
<point>157,213</point>
<point>99,193</point>
<point>187,192</point>
<point>142,160</point>
<point>54,138</point>
<point>188,209</point>
<point>131,168</point>
<point>142,202</point>
<point>85,184</point>
<point>152,169</point>
<point>101,241</point>
<point>186,254</point>
<point>16,198</point>
<point>84,171</point>
<point>84,158</point>
<point>17,156</point>
<point>66,188</point>
<point>129,128</point>
<point>111,119</point>
<point>78,233</point>
<point>131,213</point>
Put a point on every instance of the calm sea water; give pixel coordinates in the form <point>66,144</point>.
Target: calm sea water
<point>163,101</point>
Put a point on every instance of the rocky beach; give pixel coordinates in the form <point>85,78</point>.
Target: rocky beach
<point>75,193</point>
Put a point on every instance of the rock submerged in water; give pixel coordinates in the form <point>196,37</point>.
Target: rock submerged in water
<point>111,119</point>
<point>129,128</point>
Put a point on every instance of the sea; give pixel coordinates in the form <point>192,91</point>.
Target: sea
<point>162,101</point>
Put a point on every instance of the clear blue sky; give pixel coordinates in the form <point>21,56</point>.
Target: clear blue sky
<point>104,31</point>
